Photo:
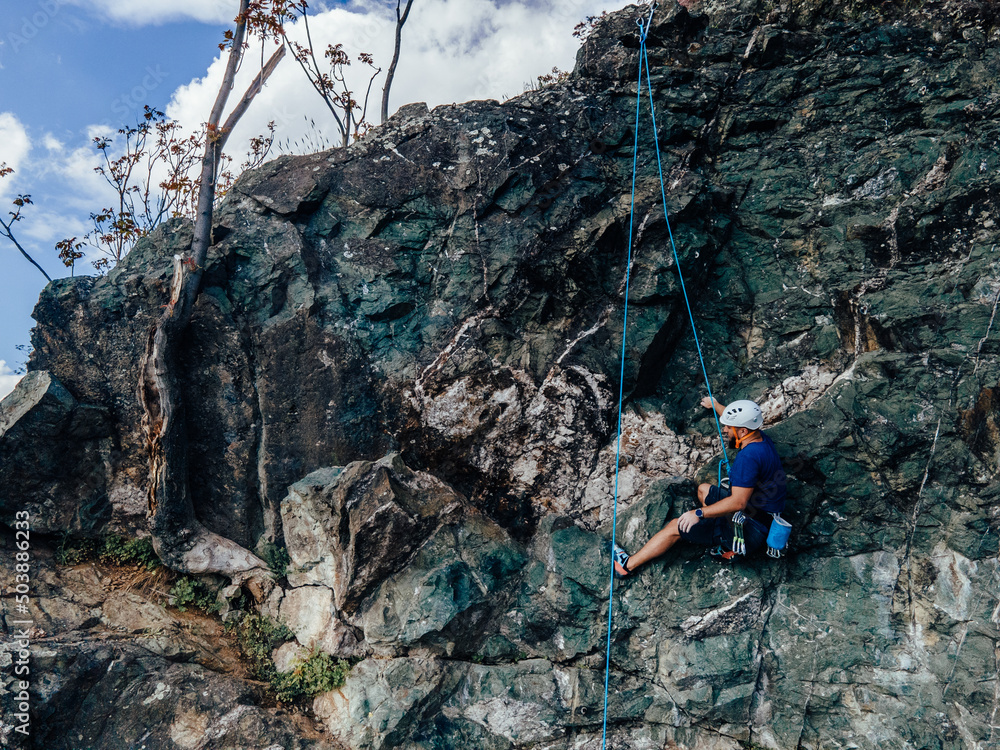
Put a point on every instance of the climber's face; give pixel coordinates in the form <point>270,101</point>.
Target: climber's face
<point>733,433</point>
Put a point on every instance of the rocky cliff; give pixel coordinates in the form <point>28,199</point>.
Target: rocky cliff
<point>404,369</point>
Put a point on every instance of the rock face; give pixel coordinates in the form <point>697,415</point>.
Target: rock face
<point>53,448</point>
<point>405,366</point>
<point>363,540</point>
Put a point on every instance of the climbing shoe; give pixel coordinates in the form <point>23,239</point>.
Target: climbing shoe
<point>621,557</point>
<point>722,554</point>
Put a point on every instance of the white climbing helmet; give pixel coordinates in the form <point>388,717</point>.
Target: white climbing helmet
<point>743,414</point>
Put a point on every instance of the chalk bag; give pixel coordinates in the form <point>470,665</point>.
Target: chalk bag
<point>777,537</point>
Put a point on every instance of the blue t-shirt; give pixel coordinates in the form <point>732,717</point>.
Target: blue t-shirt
<point>758,465</point>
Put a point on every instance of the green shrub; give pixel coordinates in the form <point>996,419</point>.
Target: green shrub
<point>122,551</point>
<point>258,636</point>
<point>317,674</point>
<point>113,549</point>
<point>73,551</point>
<point>190,591</point>
<point>277,558</point>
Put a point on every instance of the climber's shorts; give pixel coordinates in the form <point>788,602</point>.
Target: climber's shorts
<point>709,532</point>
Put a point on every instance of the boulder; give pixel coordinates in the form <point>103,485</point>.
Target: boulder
<point>129,695</point>
<point>447,591</point>
<point>394,554</point>
<point>55,456</point>
<point>348,529</point>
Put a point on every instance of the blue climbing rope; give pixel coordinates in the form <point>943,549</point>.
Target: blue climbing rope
<point>644,63</point>
<point>644,25</point>
<point>643,30</point>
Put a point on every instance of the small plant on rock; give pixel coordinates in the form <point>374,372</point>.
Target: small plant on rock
<point>122,551</point>
<point>112,550</point>
<point>319,673</point>
<point>190,591</point>
<point>73,551</point>
<point>258,636</point>
<point>277,559</point>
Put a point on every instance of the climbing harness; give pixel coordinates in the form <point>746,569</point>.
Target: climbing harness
<point>644,24</point>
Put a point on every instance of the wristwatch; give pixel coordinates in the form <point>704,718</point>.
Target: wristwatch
<point>700,513</point>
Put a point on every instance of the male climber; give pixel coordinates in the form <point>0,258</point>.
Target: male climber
<point>758,489</point>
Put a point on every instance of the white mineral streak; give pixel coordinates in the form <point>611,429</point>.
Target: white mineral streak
<point>796,393</point>
<point>695,625</point>
<point>418,397</point>
<point>161,691</point>
<point>518,721</point>
<point>227,723</point>
<point>458,412</point>
<point>543,433</point>
<point>650,450</point>
<point>953,589</point>
<point>878,572</point>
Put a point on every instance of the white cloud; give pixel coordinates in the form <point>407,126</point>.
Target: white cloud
<point>64,188</point>
<point>160,11</point>
<point>452,51</point>
<point>14,148</point>
<point>7,379</point>
<point>46,227</point>
<point>52,143</point>
<point>75,168</point>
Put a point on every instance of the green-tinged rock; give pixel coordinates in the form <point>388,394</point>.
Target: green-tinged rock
<point>348,529</point>
<point>448,589</point>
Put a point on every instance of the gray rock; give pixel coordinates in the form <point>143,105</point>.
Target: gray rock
<point>114,668</point>
<point>447,591</point>
<point>350,529</point>
<point>396,554</point>
<point>130,696</point>
<point>55,456</point>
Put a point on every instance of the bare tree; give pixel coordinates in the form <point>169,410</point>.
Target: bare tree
<point>141,203</point>
<point>400,20</point>
<point>153,174</point>
<point>7,227</point>
<point>180,540</point>
<point>331,83</point>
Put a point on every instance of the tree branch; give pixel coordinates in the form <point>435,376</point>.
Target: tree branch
<point>9,234</point>
<point>252,90</point>
<point>400,20</point>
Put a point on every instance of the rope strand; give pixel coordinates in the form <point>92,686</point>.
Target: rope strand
<point>644,62</point>
<point>621,386</point>
<point>644,26</point>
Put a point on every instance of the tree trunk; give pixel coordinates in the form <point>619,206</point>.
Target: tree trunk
<point>400,20</point>
<point>179,539</point>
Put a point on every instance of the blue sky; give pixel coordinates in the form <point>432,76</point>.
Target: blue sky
<point>64,69</point>
<point>70,69</point>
